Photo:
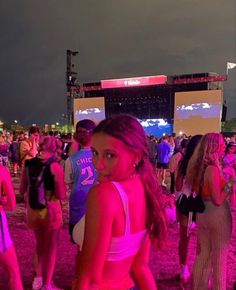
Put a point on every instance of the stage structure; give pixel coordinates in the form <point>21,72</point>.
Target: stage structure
<point>71,84</point>
<point>150,98</point>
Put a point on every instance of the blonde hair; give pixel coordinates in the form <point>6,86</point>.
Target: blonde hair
<point>48,143</point>
<point>206,153</point>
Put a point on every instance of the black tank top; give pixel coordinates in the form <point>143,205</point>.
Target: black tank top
<point>48,178</point>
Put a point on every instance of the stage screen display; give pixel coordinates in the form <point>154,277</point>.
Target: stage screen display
<point>134,82</point>
<point>156,127</point>
<point>198,112</point>
<point>89,108</point>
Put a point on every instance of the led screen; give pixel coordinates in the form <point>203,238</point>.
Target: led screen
<point>156,127</point>
<point>198,112</point>
<point>89,108</point>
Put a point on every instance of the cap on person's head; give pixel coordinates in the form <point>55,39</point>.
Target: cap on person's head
<point>86,124</point>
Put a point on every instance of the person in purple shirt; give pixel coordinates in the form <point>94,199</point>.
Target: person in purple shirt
<point>164,152</point>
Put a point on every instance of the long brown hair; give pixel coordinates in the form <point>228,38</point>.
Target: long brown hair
<point>206,153</point>
<point>128,130</point>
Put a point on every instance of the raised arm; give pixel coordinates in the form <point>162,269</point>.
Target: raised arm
<point>28,150</point>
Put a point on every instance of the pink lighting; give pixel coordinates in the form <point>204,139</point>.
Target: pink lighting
<point>201,80</point>
<point>134,82</point>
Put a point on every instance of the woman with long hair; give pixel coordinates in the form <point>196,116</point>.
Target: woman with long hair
<point>182,185</point>
<point>44,215</point>
<point>8,257</point>
<point>229,169</point>
<point>205,175</point>
<point>124,215</point>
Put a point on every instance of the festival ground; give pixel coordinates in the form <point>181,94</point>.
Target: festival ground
<point>164,263</point>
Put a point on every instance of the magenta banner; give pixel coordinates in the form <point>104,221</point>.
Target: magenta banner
<point>134,82</point>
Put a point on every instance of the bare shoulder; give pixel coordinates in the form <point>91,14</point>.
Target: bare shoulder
<point>103,195</point>
<point>56,167</point>
<point>211,169</point>
<point>212,172</point>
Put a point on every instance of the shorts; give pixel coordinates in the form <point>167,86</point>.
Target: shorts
<point>50,217</point>
<point>162,165</point>
<point>5,238</point>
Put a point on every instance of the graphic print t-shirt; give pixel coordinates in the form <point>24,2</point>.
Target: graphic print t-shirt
<point>83,177</point>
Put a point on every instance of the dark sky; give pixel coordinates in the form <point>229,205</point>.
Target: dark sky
<point>115,39</point>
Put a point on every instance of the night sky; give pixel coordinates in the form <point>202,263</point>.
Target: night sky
<point>115,39</point>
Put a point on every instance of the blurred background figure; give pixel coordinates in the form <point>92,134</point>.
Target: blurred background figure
<point>174,161</point>
<point>8,257</point>
<point>4,150</point>
<point>44,212</point>
<point>229,169</point>
<point>205,175</point>
<point>164,152</point>
<point>80,175</point>
<point>151,141</point>
<point>14,154</point>
<point>183,187</point>
<point>29,146</point>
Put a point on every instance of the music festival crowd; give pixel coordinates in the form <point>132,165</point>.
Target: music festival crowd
<point>116,181</point>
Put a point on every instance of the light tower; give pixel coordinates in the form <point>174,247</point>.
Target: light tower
<point>70,84</point>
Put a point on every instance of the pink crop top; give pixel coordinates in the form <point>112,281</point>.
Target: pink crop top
<point>129,244</point>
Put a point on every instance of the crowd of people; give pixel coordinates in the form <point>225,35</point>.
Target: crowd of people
<point>113,176</point>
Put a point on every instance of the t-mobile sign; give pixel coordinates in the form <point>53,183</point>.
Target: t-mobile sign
<point>134,82</point>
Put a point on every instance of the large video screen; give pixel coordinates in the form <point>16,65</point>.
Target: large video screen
<point>198,112</point>
<point>89,108</point>
<point>156,127</point>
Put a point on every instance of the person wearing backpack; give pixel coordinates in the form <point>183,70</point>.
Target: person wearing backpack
<point>43,182</point>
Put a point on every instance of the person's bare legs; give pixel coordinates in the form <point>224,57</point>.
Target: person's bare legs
<point>183,244</point>
<point>159,173</point>
<point>49,254</point>
<point>38,257</point>
<point>9,260</point>
<point>183,247</point>
<point>163,176</point>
